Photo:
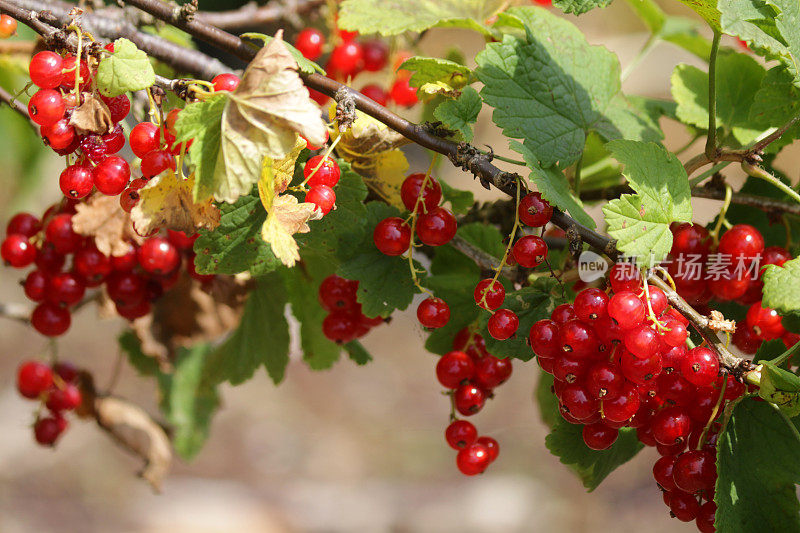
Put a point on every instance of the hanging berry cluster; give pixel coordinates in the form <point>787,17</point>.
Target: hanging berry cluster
<point>345,321</point>
<point>56,389</point>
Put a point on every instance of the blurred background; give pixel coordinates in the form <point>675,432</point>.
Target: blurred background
<point>353,449</point>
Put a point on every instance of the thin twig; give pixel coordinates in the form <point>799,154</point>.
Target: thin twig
<point>711,141</point>
<point>252,14</point>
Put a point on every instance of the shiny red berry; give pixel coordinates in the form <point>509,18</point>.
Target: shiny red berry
<point>375,92</point>
<point>530,251</point>
<point>376,54</point>
<point>469,399</point>
<point>323,197</point>
<point>626,309</point>
<point>489,294</point>
<point>46,107</point>
<point>544,339</point>
<point>700,367</point>
<point>436,227</point>
<point>741,241</point>
<point>454,368</point>
<point>226,82</point>
<point>534,210</point>
<point>503,324</point>
<point>473,459</point>
<point>460,434</point>
<point>50,319</point>
<point>45,70</point>
<point>410,191</point>
<point>33,378</point>
<point>433,313</point>
<point>47,430</point>
<point>159,256</point>
<point>403,94</point>
<point>65,398</point>
<point>392,236</point>
<point>309,42</point>
<point>322,171</point>
<point>598,436</point>
<point>17,251</point>
<point>491,371</point>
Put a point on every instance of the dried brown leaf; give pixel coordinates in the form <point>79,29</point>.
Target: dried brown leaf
<point>92,116</point>
<point>102,217</point>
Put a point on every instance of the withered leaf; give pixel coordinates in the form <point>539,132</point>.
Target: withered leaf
<point>91,116</point>
<point>285,217</point>
<point>102,217</point>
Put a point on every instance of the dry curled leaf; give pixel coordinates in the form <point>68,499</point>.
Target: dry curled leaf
<point>102,217</point>
<point>262,118</point>
<point>190,313</point>
<point>167,202</point>
<point>285,217</point>
<point>371,148</point>
<point>132,427</point>
<point>92,116</point>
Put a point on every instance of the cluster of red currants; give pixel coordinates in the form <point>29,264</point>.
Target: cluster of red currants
<point>68,263</point>
<point>56,388</point>
<point>345,321</point>
<point>351,57</point>
<point>471,373</point>
<point>621,360</point>
<point>731,271</point>
<point>321,174</point>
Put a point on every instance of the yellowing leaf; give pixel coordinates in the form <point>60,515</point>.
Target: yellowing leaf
<point>371,148</point>
<point>102,218</point>
<point>285,218</point>
<point>277,175</point>
<point>167,202</point>
<point>261,119</point>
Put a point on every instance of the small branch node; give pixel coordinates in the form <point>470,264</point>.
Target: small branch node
<point>345,108</point>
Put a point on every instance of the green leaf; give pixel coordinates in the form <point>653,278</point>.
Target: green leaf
<point>302,285</point>
<point>549,88</point>
<point>461,113</point>
<point>487,238</point>
<point>758,467</point>
<point>201,122</point>
<point>457,290</point>
<point>188,400</point>
<point>127,69</point>
<point>579,7</point>
<point>565,441</point>
<point>392,17</point>
<point>706,9</point>
<point>305,65</point>
<point>530,304</point>
<point>547,401</point>
<point>358,354</point>
<point>385,282</point>
<point>782,287</point>
<point>624,119</point>
<point>780,387</point>
<point>337,235</point>
<point>680,31</point>
<point>432,75</point>
<point>460,201</point>
<point>236,244</point>
<point>739,78</point>
<point>262,337</point>
<point>640,222</point>
<point>554,187</point>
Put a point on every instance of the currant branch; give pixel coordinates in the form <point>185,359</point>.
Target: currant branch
<point>252,14</point>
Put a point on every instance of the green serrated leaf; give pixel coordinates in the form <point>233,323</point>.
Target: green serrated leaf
<point>530,304</point>
<point>565,441</point>
<point>457,290</point>
<point>201,122</point>
<point>432,75</point>
<point>392,17</point>
<point>127,69</point>
<point>262,337</point>
<point>554,187</point>
<point>373,270</point>
<point>236,244</point>
<point>758,467</point>
<point>782,287</point>
<point>547,401</point>
<point>302,285</point>
<point>641,222</point>
<point>739,78</point>
<point>578,7</point>
<point>460,201</point>
<point>461,113</point>
<point>624,119</point>
<point>549,88</point>
<point>706,9</point>
<point>358,354</point>
<point>680,31</point>
<point>780,387</point>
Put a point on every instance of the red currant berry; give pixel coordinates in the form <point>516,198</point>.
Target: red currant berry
<point>337,294</point>
<point>775,255</point>
<point>624,277</point>
<point>50,320</point>
<point>376,93</point>
<point>489,294</point>
<point>433,313</point>
<point>159,256</point>
<point>662,472</point>
<point>17,251</point>
<point>47,430</point>
<point>85,77</point>
<point>708,511</point>
<point>35,285</point>
<point>59,232</point>
<point>741,241</point>
<point>454,368</point>
<point>403,94</point>
<point>436,227</point>
<point>323,197</point>
<point>321,172</point>
<point>410,191</point>
<point>577,339</point>
<point>392,236</point>
<point>45,70</point>
<point>563,313</point>
<point>578,402</point>
<point>92,265</point>
<point>746,339</point>
<point>544,339</point>
<point>604,380</point>
<point>469,399</point>
<point>119,106</point>
<point>25,224</point>
<point>642,341</point>
<point>503,324</point>
<point>339,327</point>
<point>125,262</point>
<point>33,378</point>
<point>627,309</point>
<point>66,398</point>
<point>671,426</point>
<point>766,322</point>
<point>570,369</point>
<point>491,445</point>
<point>638,370</point>
<point>598,436</point>
<point>591,304</point>
<point>683,506</point>
<point>60,136</point>
<point>66,289</point>
<point>133,311</point>
<point>690,239</point>
<point>156,162</point>
<point>226,82</point>
<point>8,26</point>
<point>143,138</point>
<point>46,107</point>
<point>347,59</point>
<point>376,55</point>
<point>700,367</point>
<point>491,371</point>
<point>695,471</point>
<point>48,260</point>
<point>114,140</point>
<point>534,211</point>
<point>460,434</point>
<point>530,251</point>
<point>675,333</point>
<point>473,459</point>
<point>622,407</point>
<point>309,42</point>
<point>673,388</point>
<point>76,181</point>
